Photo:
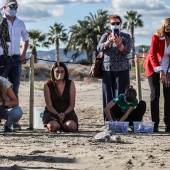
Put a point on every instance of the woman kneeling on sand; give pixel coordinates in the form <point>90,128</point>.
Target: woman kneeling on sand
<point>60,94</point>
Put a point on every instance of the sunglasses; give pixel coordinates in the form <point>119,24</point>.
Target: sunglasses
<point>115,23</point>
<point>62,71</point>
<point>13,6</point>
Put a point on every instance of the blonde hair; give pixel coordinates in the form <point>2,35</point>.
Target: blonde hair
<point>160,32</point>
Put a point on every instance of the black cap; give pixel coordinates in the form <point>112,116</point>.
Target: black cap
<point>2,65</point>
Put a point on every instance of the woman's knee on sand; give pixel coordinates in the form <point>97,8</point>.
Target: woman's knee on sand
<point>68,126</point>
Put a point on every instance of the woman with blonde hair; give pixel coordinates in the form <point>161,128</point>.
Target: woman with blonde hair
<point>157,67</point>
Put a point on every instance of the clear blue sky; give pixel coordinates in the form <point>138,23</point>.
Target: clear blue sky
<point>40,14</point>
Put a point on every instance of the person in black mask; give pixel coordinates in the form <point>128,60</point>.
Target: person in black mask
<point>125,107</point>
<point>157,67</point>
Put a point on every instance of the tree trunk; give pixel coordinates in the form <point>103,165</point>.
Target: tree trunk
<point>133,46</point>
<point>57,49</point>
<point>133,51</point>
<point>34,52</point>
<point>89,56</point>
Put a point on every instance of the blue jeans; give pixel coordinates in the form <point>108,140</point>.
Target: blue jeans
<point>13,72</point>
<point>12,115</point>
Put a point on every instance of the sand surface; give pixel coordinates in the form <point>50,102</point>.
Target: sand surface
<point>39,150</point>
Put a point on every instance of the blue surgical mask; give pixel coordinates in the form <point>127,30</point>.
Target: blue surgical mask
<point>12,12</point>
<point>112,27</point>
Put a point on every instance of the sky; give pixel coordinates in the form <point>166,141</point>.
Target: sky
<point>40,14</point>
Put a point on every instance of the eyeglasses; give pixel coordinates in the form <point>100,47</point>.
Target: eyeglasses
<point>13,6</point>
<point>115,23</point>
<point>62,71</point>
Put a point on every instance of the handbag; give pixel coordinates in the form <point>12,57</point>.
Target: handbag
<point>96,68</point>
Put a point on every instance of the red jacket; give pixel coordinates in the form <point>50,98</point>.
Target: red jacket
<point>155,54</point>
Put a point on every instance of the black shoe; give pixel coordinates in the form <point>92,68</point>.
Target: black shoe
<point>16,126</point>
<point>7,130</point>
<point>167,128</point>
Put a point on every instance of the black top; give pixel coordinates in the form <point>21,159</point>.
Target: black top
<point>60,104</point>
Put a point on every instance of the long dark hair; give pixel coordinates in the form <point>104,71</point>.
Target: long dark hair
<point>52,78</point>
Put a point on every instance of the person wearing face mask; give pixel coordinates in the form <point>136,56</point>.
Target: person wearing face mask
<point>115,68</point>
<point>157,68</point>
<point>125,107</point>
<point>59,93</point>
<point>14,59</point>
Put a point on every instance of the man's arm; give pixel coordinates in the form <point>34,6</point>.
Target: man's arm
<point>24,50</point>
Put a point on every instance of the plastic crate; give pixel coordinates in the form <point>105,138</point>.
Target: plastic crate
<point>117,126</point>
<point>143,127</point>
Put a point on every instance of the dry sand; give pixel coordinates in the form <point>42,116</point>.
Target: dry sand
<point>39,150</point>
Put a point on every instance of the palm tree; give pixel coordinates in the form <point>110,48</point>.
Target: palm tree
<point>79,39</point>
<point>85,35</point>
<point>36,39</point>
<point>133,20</point>
<point>143,48</point>
<point>57,34</point>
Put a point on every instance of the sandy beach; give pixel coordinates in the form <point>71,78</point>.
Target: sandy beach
<point>79,151</point>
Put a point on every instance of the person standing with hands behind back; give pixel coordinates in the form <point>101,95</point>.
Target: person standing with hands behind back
<point>17,31</point>
<point>116,46</point>
<point>157,67</point>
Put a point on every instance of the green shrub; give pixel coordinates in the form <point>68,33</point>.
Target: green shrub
<point>142,70</point>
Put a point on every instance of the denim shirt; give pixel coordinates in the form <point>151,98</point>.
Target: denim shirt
<point>114,59</point>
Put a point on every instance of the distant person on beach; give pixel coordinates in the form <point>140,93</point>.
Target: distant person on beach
<point>116,45</point>
<point>17,31</point>
<point>125,107</point>
<point>9,109</point>
<point>157,67</point>
<point>59,93</point>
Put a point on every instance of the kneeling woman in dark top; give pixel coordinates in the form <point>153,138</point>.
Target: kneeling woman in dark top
<point>60,94</point>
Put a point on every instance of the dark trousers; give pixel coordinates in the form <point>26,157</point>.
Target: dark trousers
<point>135,115</point>
<point>154,83</point>
<point>113,84</point>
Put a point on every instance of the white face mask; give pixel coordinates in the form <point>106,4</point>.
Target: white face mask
<point>112,27</point>
<point>59,76</point>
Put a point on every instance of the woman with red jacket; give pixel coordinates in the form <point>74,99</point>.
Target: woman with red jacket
<point>157,67</point>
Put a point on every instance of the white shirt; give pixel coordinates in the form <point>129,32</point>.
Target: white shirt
<point>17,31</point>
<point>164,63</point>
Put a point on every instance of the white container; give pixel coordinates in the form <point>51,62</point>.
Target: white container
<point>117,126</point>
<point>37,118</point>
<point>143,127</point>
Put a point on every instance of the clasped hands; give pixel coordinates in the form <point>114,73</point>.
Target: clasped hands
<point>61,116</point>
<point>165,79</point>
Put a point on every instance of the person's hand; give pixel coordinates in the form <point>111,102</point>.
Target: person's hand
<point>168,79</point>
<point>23,59</point>
<point>163,78</point>
<point>62,117</point>
<point>114,39</point>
